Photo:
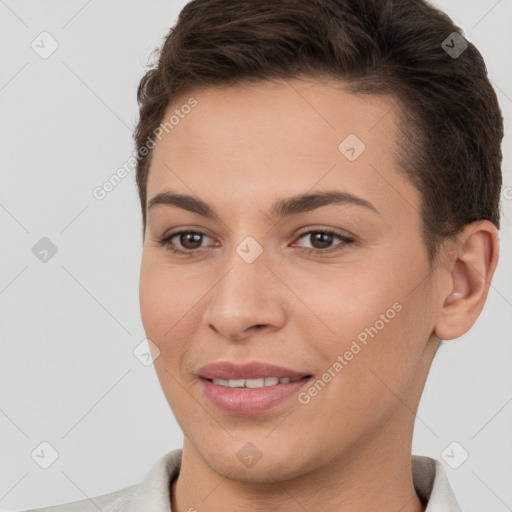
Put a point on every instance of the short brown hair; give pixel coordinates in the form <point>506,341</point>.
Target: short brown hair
<point>450,141</point>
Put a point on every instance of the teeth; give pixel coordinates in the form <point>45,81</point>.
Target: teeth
<point>253,383</point>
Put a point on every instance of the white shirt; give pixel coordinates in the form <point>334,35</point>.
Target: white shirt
<point>152,494</point>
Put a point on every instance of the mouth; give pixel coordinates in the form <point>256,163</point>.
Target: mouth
<point>251,388</point>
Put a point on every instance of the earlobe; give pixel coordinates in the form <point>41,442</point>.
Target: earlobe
<point>471,273</point>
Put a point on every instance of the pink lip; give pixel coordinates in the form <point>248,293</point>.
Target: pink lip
<point>248,401</point>
<point>227,370</point>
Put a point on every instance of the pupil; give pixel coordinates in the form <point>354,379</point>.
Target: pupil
<point>184,239</point>
<point>323,238</point>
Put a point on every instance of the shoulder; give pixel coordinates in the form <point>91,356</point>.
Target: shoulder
<point>153,492</point>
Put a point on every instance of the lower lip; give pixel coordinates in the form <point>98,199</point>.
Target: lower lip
<point>250,401</point>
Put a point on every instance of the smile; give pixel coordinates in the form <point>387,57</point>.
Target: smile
<point>253,383</point>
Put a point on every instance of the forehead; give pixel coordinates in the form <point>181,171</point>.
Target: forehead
<point>280,138</point>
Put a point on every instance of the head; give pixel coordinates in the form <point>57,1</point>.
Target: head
<point>251,104</point>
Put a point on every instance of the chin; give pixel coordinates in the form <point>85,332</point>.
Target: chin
<point>260,461</point>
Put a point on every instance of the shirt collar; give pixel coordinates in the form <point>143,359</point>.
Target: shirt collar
<point>431,483</point>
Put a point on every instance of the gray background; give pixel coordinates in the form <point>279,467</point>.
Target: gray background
<point>68,327</point>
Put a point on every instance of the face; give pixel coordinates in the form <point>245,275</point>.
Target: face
<point>335,289</point>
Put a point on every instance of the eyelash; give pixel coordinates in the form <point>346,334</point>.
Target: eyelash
<point>346,241</point>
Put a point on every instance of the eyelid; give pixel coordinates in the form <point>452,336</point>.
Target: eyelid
<point>335,231</point>
<point>185,229</point>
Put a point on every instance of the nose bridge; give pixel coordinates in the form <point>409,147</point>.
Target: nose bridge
<point>246,295</point>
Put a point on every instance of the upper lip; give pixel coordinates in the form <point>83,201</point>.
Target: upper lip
<point>254,370</point>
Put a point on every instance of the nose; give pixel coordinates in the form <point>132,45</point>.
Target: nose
<point>248,298</point>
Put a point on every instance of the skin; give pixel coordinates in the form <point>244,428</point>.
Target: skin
<point>241,149</point>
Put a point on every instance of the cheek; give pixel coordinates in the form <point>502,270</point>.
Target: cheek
<point>154,301</point>
<point>166,306</point>
<point>165,298</point>
<point>170,306</point>
<point>338,304</point>
<point>370,318</point>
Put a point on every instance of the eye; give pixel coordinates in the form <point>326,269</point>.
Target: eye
<point>189,240</point>
<point>322,240</point>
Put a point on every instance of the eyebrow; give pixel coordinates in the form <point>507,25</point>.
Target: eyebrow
<point>282,208</point>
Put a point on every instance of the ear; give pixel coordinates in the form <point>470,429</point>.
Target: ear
<point>472,265</point>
